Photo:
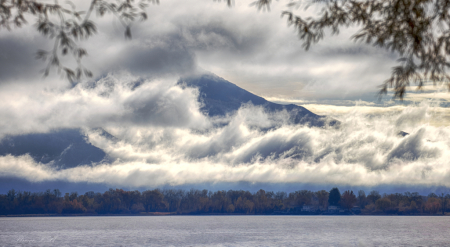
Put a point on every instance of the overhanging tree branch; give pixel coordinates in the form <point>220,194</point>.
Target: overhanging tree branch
<point>418,30</point>
<point>68,26</point>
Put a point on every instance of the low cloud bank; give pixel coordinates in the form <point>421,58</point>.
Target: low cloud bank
<point>161,138</point>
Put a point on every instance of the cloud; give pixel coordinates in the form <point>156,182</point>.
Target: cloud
<point>161,138</point>
<point>158,61</point>
<point>112,100</point>
<point>17,59</point>
<point>256,50</point>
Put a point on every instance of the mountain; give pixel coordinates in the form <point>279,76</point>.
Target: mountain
<point>221,97</point>
<point>65,148</point>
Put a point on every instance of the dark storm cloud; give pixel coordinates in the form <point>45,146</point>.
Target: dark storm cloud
<point>17,59</point>
<point>218,35</point>
<point>157,55</point>
<point>158,61</point>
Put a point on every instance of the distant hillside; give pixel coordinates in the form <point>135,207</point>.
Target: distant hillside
<point>221,97</point>
<point>66,148</point>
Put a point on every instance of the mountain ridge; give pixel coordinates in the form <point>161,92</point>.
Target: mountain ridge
<point>221,97</point>
<point>66,148</point>
<point>63,148</point>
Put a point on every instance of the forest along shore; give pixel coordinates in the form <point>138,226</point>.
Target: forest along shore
<point>159,202</point>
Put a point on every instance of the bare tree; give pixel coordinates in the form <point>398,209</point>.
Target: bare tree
<point>444,200</point>
<point>362,200</point>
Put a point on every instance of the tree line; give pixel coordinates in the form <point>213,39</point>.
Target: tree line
<point>171,201</point>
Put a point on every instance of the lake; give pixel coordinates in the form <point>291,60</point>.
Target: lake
<point>226,231</point>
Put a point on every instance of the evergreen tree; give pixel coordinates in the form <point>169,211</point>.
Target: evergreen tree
<point>335,197</point>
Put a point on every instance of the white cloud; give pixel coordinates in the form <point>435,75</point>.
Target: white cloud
<point>162,138</point>
<point>111,100</point>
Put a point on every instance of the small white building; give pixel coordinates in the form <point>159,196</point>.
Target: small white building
<point>333,209</point>
<point>309,208</point>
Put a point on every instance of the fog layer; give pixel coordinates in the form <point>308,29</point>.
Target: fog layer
<point>161,138</point>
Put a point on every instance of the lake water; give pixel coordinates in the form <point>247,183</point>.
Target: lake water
<point>226,231</point>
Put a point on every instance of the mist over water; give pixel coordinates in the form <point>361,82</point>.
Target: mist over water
<point>160,137</point>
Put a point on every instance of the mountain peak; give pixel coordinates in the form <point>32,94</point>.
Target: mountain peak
<point>220,97</point>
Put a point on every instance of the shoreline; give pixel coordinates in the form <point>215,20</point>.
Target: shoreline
<point>212,214</point>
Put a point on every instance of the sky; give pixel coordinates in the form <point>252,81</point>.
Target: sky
<point>164,140</point>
